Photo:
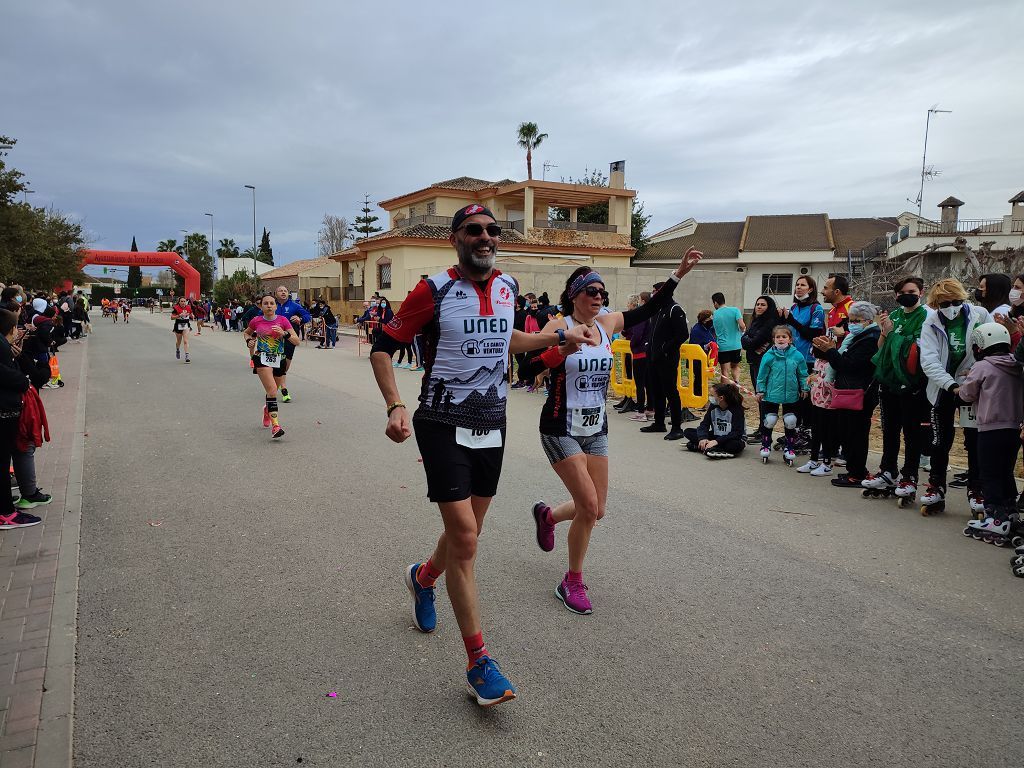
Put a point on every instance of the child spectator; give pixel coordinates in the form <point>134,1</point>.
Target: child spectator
<point>720,434</point>
<point>781,382</point>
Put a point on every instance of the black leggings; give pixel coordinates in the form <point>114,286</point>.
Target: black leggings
<point>943,434</point>
<point>822,424</point>
<point>907,414</point>
<point>8,434</point>
<point>662,376</point>
<point>997,457</point>
<point>850,429</point>
<point>643,399</point>
<point>733,445</point>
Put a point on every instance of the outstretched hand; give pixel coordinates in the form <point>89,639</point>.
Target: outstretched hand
<point>689,261</point>
<point>582,335</point>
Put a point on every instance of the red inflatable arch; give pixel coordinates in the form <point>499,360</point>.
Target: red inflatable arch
<point>167,259</point>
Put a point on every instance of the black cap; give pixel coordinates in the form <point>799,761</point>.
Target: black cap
<point>470,210</point>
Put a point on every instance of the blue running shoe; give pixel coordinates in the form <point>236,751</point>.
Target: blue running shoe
<point>487,684</point>
<point>423,613</point>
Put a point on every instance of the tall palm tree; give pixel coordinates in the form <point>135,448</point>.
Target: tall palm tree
<point>167,245</point>
<point>228,249</point>
<point>530,139</point>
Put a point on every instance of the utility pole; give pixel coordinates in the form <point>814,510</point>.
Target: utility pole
<point>925,172</point>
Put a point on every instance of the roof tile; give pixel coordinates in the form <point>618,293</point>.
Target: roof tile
<point>797,232</point>
<point>715,239</point>
<point>294,268</point>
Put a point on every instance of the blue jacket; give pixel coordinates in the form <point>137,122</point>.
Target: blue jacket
<point>290,308</point>
<point>782,375</point>
<point>807,321</point>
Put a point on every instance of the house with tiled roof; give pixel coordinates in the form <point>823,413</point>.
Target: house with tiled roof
<point>771,252</point>
<point>419,223</point>
<point>308,279</point>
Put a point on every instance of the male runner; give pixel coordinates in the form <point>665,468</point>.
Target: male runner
<point>465,315</point>
<point>288,309</point>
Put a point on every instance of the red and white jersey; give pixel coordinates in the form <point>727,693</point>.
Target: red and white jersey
<point>466,329</point>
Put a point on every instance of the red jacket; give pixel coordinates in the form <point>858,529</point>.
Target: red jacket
<point>32,426</point>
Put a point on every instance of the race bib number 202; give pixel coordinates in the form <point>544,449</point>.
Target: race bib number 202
<point>586,421</point>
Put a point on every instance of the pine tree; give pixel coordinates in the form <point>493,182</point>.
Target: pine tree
<point>134,273</point>
<point>265,253</point>
<point>363,225</point>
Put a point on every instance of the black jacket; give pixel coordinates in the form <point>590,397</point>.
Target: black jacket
<point>854,369</point>
<point>668,331</point>
<point>757,335</point>
<point>13,383</point>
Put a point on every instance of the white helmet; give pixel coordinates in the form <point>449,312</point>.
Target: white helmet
<point>989,334</point>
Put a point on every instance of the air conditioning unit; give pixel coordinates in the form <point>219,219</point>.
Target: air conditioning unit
<point>804,270</point>
<point>741,269</point>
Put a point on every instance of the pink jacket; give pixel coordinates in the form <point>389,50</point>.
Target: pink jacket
<point>996,385</point>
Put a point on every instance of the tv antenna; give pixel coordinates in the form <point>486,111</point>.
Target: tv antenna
<point>547,166</point>
<point>927,171</point>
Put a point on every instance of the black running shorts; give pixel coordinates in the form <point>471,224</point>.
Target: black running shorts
<point>455,472</point>
<point>257,363</point>
<point>732,356</point>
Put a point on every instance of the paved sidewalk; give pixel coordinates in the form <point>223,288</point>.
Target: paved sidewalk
<point>39,590</point>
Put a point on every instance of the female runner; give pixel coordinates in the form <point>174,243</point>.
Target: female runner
<point>181,316</point>
<point>265,336</point>
<point>573,423</point>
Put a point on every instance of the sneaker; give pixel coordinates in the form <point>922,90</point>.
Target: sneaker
<point>715,453</point>
<point>277,432</point>
<point>630,407</point>
<point>267,423</point>
<point>638,417</point>
<point>808,467</point>
<point>177,354</point>
<point>423,613</point>
<point>37,499</point>
<point>839,461</point>
<point>574,597</point>
<point>654,427</point>
<point>285,397</point>
<point>545,531</point>
<point>821,470</point>
<point>959,480</point>
<point>419,368</point>
<point>847,481</point>
<point>187,359</point>
<point>487,684</point>
<point>19,519</point>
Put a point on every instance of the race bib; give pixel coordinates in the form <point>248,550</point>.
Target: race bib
<point>586,421</point>
<point>478,438</point>
<point>270,360</point>
<point>968,419</point>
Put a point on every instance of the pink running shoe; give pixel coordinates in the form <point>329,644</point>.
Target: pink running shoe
<point>266,418</point>
<point>545,530</point>
<point>574,596</point>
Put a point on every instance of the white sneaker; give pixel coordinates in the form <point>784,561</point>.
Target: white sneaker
<point>839,461</point>
<point>808,467</point>
<point>821,470</point>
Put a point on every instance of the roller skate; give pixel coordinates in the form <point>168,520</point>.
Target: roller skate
<point>1017,565</point>
<point>933,500</point>
<point>997,528</point>
<point>977,504</point>
<point>905,492</point>
<point>766,448</point>
<point>788,454</point>
<point>878,486</point>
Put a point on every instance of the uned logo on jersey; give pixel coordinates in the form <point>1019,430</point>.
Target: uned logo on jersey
<point>504,293</point>
<point>594,383</point>
<point>484,347</point>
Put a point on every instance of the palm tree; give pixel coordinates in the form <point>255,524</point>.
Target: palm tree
<point>529,140</point>
<point>228,249</point>
<point>249,253</point>
<point>167,245</point>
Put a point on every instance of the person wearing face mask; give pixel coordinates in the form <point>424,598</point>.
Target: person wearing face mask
<point>722,431</point>
<point>806,316</point>
<point>946,359</point>
<point>781,383</point>
<point>903,404</point>
<point>993,293</point>
<point>855,394</point>
<point>703,332</point>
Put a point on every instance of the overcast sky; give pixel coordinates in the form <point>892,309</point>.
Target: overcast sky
<point>141,117</point>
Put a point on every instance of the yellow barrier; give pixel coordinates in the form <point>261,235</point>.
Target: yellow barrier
<point>622,383</point>
<point>694,360</point>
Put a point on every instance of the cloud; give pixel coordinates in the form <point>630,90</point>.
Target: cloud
<point>143,117</point>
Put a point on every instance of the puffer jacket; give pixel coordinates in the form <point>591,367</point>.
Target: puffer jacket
<point>782,375</point>
<point>995,384</point>
<point>935,350</point>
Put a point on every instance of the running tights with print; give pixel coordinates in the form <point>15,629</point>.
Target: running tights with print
<point>943,433</point>
<point>997,457</point>
<point>662,376</point>
<point>770,417</point>
<point>907,414</point>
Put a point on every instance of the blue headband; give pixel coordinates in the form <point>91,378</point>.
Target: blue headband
<point>582,282</point>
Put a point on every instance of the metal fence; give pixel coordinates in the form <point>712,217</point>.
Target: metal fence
<point>576,225</point>
<point>963,227</point>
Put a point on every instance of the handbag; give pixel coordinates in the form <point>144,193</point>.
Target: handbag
<point>847,400</point>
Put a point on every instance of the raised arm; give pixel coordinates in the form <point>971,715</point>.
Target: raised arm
<point>614,322</point>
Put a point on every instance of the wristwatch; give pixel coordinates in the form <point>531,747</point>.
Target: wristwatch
<point>561,335</point>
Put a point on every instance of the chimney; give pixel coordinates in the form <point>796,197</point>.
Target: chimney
<point>950,213</point>
<point>1017,212</point>
<point>617,176</point>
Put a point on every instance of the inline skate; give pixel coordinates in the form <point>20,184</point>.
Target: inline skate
<point>788,454</point>
<point>879,486</point>
<point>766,448</point>
<point>905,492</point>
<point>1017,563</point>
<point>977,504</point>
<point>1001,527</point>
<point>933,500</point>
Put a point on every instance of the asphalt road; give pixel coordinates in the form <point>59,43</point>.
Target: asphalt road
<point>744,615</point>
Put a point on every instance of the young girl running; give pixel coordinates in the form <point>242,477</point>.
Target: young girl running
<point>781,382</point>
<point>181,316</point>
<point>264,337</point>
<point>720,434</point>
<point>573,423</point>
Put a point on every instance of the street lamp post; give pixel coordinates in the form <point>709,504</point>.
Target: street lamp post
<point>26,193</point>
<point>250,186</point>
<point>211,247</point>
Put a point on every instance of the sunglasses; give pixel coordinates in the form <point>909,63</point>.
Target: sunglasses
<point>593,292</point>
<point>954,303</point>
<point>475,230</point>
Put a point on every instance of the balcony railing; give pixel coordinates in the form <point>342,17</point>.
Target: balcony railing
<point>576,225</point>
<point>964,227</point>
<point>443,221</point>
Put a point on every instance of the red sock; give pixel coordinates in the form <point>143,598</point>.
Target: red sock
<point>475,648</point>
<point>574,577</point>
<point>427,574</point>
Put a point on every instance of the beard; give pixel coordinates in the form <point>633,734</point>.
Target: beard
<point>471,261</point>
